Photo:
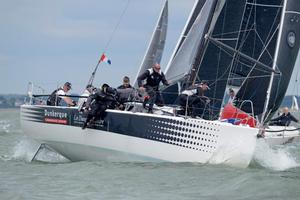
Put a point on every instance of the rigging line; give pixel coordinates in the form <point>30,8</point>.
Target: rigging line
<point>296,81</point>
<point>226,39</point>
<point>265,5</point>
<point>232,32</point>
<point>270,36</point>
<point>117,26</point>
<point>244,35</point>
<point>234,65</point>
<point>243,63</point>
<point>218,43</point>
<point>219,57</point>
<point>108,42</point>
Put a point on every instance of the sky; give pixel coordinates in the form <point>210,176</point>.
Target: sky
<point>51,42</point>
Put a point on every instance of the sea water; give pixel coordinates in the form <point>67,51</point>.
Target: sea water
<point>272,174</point>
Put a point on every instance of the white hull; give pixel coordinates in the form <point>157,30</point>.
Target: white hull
<point>195,141</point>
<point>280,135</point>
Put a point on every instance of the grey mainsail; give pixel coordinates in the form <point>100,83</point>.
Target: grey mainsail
<point>187,54</point>
<point>193,16</point>
<point>157,43</point>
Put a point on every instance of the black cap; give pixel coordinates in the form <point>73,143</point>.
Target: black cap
<point>68,84</point>
<point>105,85</point>
<point>126,79</point>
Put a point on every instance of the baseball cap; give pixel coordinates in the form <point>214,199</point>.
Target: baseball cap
<point>68,84</point>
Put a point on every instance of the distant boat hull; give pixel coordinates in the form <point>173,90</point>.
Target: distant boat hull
<point>280,135</point>
<point>128,136</point>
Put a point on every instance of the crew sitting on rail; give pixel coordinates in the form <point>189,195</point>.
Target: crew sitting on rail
<point>284,119</point>
<point>83,97</point>
<point>193,100</point>
<point>57,95</point>
<point>97,103</point>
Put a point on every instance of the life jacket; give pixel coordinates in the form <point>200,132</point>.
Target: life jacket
<point>53,99</point>
<point>154,78</point>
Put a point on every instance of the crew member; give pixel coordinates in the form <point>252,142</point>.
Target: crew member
<point>98,102</point>
<point>153,77</point>
<point>57,95</point>
<point>126,83</point>
<point>231,96</point>
<point>193,100</point>
<point>87,92</point>
<point>284,119</point>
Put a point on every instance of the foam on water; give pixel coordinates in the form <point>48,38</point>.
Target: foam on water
<point>278,159</point>
<point>5,126</point>
<point>26,149</point>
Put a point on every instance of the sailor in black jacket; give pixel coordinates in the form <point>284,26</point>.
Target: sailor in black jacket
<point>98,102</point>
<point>153,77</point>
<point>284,119</point>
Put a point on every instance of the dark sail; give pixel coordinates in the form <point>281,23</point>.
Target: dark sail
<point>216,63</point>
<point>287,53</point>
<point>264,18</point>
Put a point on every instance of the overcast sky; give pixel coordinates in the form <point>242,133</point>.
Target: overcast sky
<point>50,42</point>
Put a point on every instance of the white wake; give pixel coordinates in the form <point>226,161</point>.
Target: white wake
<point>278,159</point>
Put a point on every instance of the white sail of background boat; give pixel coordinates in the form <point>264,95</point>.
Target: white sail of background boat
<point>157,43</point>
<point>294,106</point>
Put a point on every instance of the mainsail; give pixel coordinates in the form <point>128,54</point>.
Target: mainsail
<point>157,43</point>
<point>193,16</point>
<point>272,27</point>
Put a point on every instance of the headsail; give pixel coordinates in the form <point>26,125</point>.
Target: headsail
<point>273,41</point>
<point>157,43</point>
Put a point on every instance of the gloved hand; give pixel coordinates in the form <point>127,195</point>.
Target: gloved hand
<point>74,103</point>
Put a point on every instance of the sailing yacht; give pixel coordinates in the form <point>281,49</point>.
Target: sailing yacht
<point>134,135</point>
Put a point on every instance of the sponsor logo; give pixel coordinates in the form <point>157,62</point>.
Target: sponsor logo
<point>55,114</point>
<point>55,117</point>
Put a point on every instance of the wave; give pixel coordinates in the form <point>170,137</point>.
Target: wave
<point>280,158</point>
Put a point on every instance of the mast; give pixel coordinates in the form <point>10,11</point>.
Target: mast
<point>265,110</point>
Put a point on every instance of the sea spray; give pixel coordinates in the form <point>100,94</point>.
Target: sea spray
<point>4,126</point>
<point>278,159</point>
